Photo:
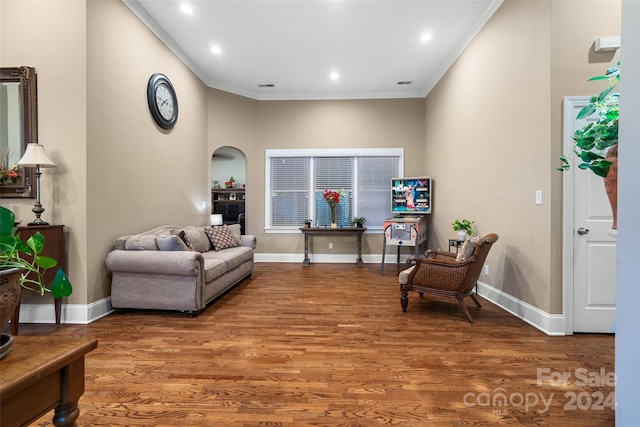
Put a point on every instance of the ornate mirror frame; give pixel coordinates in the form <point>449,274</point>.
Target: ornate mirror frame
<point>28,112</point>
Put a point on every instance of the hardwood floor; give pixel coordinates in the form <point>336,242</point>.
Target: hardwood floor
<point>329,345</point>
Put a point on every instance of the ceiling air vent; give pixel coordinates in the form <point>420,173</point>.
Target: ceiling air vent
<point>405,82</point>
<point>266,85</point>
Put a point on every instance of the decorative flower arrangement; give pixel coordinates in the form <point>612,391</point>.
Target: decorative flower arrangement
<point>10,175</point>
<point>332,198</point>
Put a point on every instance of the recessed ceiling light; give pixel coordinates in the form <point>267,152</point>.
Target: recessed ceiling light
<point>425,37</point>
<point>217,50</point>
<point>334,75</point>
<point>186,9</point>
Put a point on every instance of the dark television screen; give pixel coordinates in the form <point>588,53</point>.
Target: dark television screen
<point>411,195</point>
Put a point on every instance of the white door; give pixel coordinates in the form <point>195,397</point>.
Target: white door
<point>588,241</point>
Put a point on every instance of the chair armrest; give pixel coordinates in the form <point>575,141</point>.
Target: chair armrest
<point>181,263</point>
<point>441,255</point>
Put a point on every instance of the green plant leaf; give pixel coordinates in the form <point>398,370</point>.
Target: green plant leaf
<point>36,243</point>
<point>589,156</point>
<point>7,219</point>
<point>603,95</point>
<point>598,78</point>
<point>586,111</point>
<point>600,167</point>
<point>45,261</point>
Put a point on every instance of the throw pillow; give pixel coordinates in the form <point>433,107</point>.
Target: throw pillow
<point>221,237</point>
<point>183,236</point>
<point>197,237</point>
<point>171,243</point>
<point>468,248</point>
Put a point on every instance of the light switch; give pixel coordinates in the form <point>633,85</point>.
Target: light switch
<point>538,197</point>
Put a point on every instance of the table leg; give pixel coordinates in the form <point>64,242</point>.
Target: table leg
<point>359,260</point>
<point>58,308</point>
<point>306,260</point>
<point>72,378</point>
<point>15,320</point>
<point>384,252</point>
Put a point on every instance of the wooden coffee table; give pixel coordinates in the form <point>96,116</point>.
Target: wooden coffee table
<point>40,374</point>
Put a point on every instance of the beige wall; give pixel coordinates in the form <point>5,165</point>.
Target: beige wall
<point>51,36</point>
<point>497,115</point>
<point>255,126</point>
<point>117,171</point>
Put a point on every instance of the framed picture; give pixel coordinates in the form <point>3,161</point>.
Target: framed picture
<point>232,196</point>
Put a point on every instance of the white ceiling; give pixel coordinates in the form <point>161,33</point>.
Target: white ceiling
<point>296,44</point>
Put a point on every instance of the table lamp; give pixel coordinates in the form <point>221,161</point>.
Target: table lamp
<point>35,156</point>
<point>216,219</point>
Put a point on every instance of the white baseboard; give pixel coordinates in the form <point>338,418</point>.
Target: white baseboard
<point>550,324</point>
<point>70,314</point>
<point>331,258</point>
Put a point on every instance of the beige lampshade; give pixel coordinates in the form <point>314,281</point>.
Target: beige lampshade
<point>35,156</point>
<point>216,219</point>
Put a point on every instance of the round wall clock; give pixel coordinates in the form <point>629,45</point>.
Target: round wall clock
<point>162,100</point>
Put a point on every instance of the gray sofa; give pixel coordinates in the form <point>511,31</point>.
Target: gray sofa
<point>178,268</point>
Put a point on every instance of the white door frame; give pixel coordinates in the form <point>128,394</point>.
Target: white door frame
<point>569,105</point>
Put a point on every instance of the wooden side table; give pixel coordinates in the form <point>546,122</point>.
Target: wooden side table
<point>53,247</point>
<point>42,373</point>
<point>455,243</point>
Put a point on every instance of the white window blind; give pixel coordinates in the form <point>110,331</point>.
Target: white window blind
<point>289,190</point>
<point>335,174</point>
<point>296,179</point>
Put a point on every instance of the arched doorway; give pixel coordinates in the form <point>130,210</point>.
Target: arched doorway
<point>228,184</point>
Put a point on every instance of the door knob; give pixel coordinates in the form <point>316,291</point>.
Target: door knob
<point>582,231</point>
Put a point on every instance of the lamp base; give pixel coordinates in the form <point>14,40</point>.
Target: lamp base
<point>38,221</point>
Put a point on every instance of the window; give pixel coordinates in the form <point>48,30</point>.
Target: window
<point>296,179</point>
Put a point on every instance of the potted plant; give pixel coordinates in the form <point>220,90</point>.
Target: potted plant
<point>307,222</point>
<point>596,143</point>
<point>359,221</point>
<point>464,227</point>
<point>17,271</point>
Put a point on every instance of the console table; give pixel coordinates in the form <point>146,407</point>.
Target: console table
<point>42,373</point>
<point>308,231</point>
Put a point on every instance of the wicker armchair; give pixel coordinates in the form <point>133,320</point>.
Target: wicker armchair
<point>440,274</point>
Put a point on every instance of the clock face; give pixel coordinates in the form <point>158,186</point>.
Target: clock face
<point>162,100</point>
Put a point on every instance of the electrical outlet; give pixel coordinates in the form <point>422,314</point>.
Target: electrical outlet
<point>330,245</point>
<point>538,197</point>
<point>486,269</point>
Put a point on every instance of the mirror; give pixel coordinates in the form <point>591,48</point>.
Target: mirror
<point>18,127</point>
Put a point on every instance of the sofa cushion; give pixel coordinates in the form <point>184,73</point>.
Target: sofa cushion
<point>403,277</point>
<point>141,242</point>
<point>170,243</point>
<point>468,248</point>
<point>230,259</point>
<point>221,237</point>
<point>185,239</point>
<point>214,268</point>
<point>198,238</point>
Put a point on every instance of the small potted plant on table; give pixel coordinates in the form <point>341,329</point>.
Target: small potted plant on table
<point>464,227</point>
<point>359,221</point>
<point>307,222</point>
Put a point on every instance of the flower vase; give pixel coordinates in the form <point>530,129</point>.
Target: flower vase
<point>333,217</point>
